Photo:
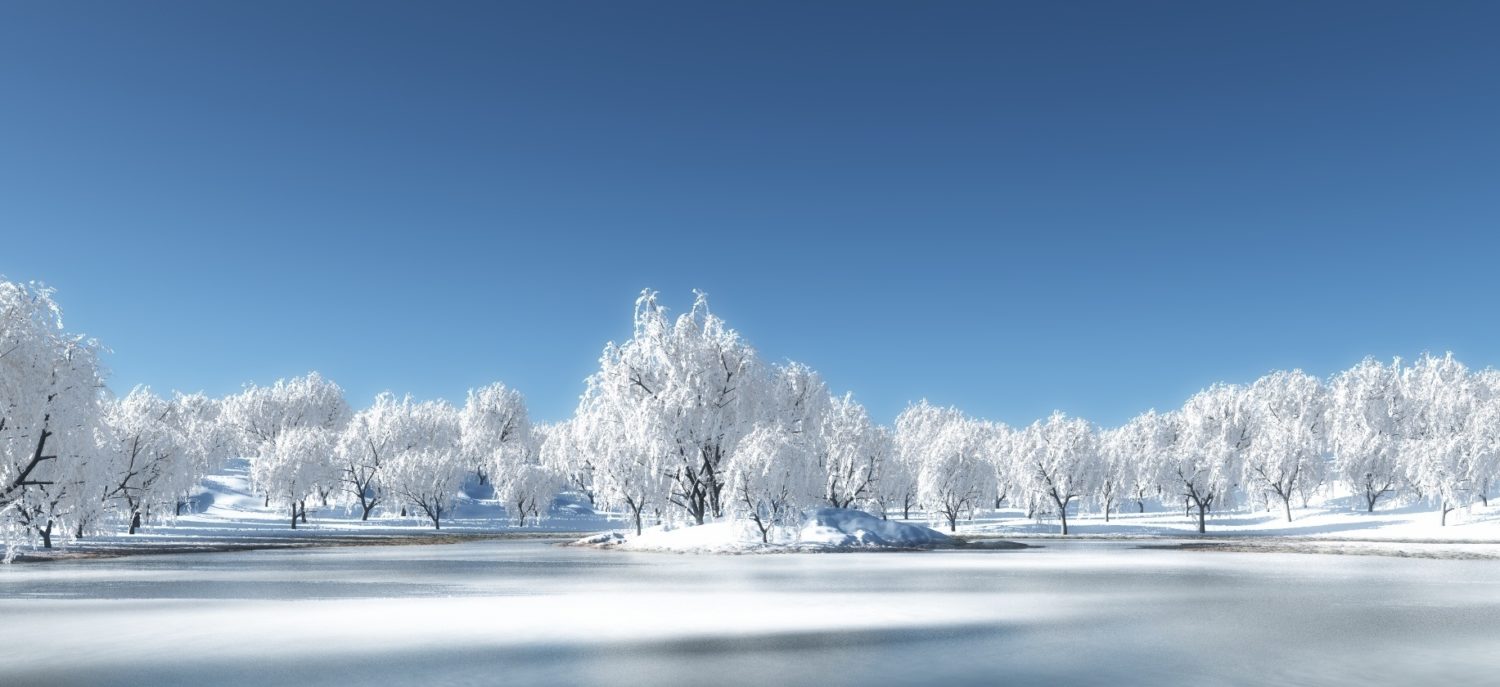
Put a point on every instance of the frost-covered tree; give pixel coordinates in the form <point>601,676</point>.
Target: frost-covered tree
<point>153,454</point>
<point>1441,398</point>
<point>50,409</point>
<point>1137,446</point>
<point>426,464</point>
<point>853,453</point>
<point>1289,412</point>
<point>953,474</point>
<point>1205,453</point>
<point>1058,461</point>
<point>1366,413</point>
<point>262,413</point>
<point>1483,434</point>
<point>621,453</point>
<point>209,438</point>
<point>771,478</point>
<point>368,439</point>
<point>298,461</point>
<point>496,430</point>
<point>527,489</point>
<point>897,487</point>
<point>1116,469</point>
<point>692,379</point>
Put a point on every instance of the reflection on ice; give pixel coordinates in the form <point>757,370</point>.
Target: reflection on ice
<point>528,612</point>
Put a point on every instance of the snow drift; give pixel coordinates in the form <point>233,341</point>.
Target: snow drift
<point>825,529</point>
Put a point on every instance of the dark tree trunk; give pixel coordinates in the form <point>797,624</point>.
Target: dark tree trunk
<point>367,508</point>
<point>294,515</point>
<point>304,511</point>
<point>1202,517</point>
<point>180,505</point>
<point>135,521</point>
<point>46,533</point>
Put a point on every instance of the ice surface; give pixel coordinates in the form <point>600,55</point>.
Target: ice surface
<point>526,612</point>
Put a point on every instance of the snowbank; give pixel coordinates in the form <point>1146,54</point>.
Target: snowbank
<point>843,528</point>
<point>823,530</point>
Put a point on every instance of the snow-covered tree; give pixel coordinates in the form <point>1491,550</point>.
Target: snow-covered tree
<point>1136,447</point>
<point>1441,398</point>
<point>1058,461</point>
<point>771,479</point>
<point>296,464</point>
<point>1365,416</point>
<point>426,465</point>
<point>1483,434</point>
<point>50,409</point>
<point>1205,453</point>
<point>897,486</point>
<point>621,452</point>
<point>527,490</point>
<point>154,462</point>
<point>1289,413</point>
<point>853,453</point>
<point>953,474</point>
<point>261,414</point>
<point>209,438</point>
<point>496,430</point>
<point>693,379</point>
<point>368,439</point>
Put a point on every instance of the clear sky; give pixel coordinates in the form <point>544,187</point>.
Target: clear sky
<point>1007,206</point>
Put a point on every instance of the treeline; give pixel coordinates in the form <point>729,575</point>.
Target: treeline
<point>684,422</point>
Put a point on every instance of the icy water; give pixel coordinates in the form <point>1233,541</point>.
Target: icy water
<point>526,612</point>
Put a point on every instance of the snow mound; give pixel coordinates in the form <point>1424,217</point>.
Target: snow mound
<point>824,530</point>
<point>844,528</point>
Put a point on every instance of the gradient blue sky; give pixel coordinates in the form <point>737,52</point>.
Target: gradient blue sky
<point>1010,207</point>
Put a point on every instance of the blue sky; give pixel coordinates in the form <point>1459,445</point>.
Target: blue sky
<point>1009,207</point>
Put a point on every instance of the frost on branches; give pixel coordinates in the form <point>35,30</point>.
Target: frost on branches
<point>51,390</point>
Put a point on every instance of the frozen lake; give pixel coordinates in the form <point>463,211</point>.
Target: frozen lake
<point>526,612</point>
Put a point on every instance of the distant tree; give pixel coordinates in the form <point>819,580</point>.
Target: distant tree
<point>1366,412</point>
<point>949,448</point>
<point>426,465</point>
<point>1059,461</point>
<point>496,430</point>
<point>1204,457</point>
<point>1289,413</point>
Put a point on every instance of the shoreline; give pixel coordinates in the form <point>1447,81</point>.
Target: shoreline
<point>114,550</point>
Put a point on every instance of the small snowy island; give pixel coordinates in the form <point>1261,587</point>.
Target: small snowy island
<point>823,530</point>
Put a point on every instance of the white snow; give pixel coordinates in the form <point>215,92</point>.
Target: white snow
<point>823,530</point>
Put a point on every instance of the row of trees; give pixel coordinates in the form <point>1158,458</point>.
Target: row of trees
<point>684,422</point>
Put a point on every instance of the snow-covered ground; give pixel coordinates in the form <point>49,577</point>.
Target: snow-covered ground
<point>1333,527</point>
<point>527,612</point>
<point>823,530</point>
<point>1335,519</point>
<point>227,514</point>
